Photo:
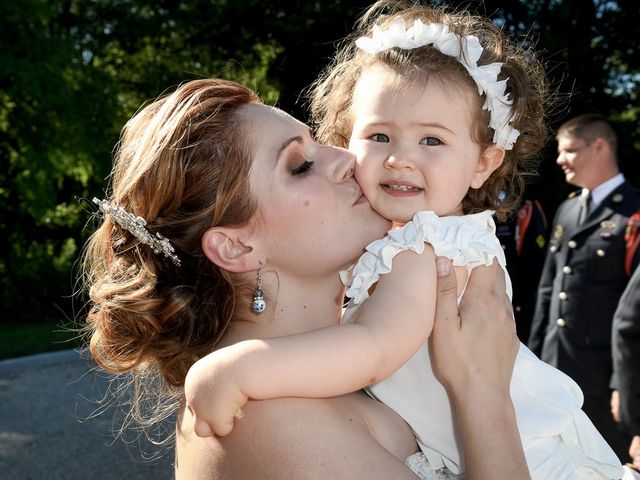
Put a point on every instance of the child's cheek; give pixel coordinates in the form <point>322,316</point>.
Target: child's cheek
<point>358,174</point>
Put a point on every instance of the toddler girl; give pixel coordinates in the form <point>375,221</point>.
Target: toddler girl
<point>440,116</point>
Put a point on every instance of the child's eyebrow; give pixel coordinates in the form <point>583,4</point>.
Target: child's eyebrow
<point>383,123</point>
<point>433,125</point>
<point>378,123</point>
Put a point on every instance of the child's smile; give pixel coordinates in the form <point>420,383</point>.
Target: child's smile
<point>401,188</point>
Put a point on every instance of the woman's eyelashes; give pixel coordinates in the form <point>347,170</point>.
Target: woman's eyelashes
<point>302,168</point>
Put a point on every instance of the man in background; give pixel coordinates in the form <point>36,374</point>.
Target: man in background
<point>584,276</point>
<point>523,237</point>
<point>625,399</point>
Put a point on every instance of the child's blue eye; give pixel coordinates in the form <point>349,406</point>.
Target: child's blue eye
<point>304,167</point>
<point>430,141</point>
<point>380,137</point>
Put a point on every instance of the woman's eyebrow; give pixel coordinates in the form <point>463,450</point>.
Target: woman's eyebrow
<point>297,139</point>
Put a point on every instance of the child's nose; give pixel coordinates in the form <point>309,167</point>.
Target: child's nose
<point>400,158</point>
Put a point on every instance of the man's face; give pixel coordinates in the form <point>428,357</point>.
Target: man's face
<point>577,159</point>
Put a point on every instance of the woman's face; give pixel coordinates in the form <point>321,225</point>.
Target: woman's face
<point>312,215</point>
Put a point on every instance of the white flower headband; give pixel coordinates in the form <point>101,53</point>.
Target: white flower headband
<point>137,226</point>
<point>449,43</point>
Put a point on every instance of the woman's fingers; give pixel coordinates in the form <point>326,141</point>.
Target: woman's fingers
<point>446,322</point>
<point>446,304</point>
<point>486,293</point>
<point>477,341</point>
<point>485,281</point>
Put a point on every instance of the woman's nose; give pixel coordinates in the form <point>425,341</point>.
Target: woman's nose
<point>341,163</point>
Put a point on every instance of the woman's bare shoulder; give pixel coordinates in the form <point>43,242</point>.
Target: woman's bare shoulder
<point>288,438</point>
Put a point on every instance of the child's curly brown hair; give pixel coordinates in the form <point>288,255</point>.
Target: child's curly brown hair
<point>331,95</point>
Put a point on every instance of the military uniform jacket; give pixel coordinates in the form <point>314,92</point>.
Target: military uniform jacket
<point>626,355</point>
<point>524,264</point>
<point>581,283</point>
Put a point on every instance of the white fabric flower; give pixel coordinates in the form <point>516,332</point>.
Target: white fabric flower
<point>473,49</point>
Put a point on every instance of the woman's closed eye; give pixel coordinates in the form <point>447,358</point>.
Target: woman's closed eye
<point>303,168</point>
<point>430,141</point>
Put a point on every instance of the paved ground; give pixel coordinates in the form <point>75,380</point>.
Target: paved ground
<point>47,431</point>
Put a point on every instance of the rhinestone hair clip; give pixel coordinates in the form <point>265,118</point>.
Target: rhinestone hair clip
<point>137,226</point>
<point>467,51</point>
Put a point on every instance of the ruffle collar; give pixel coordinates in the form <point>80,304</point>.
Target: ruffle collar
<point>466,240</point>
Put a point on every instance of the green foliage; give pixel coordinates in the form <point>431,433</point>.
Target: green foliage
<point>73,71</point>
<point>19,340</point>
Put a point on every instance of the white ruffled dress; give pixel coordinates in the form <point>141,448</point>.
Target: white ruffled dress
<point>559,440</point>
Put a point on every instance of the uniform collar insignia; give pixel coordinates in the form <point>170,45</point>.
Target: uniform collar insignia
<point>608,224</point>
<point>559,231</point>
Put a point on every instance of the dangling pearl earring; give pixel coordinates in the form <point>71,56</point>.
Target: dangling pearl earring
<point>258,306</point>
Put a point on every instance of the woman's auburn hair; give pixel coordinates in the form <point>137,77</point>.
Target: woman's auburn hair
<point>330,96</point>
<point>181,164</point>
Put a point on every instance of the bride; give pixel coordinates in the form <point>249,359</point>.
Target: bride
<point>218,202</point>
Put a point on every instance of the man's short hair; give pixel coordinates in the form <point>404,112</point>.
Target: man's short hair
<point>588,127</point>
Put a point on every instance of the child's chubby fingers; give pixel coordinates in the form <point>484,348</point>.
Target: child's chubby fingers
<point>219,425</point>
<point>223,413</point>
<point>203,429</point>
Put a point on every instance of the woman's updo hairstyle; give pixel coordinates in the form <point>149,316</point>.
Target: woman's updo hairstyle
<point>183,166</point>
<point>331,94</point>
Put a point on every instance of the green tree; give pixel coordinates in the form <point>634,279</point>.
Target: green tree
<point>73,71</point>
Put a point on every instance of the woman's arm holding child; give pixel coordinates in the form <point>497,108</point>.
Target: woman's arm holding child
<point>386,331</point>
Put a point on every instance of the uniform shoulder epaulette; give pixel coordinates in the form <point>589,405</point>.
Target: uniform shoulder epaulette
<point>574,193</point>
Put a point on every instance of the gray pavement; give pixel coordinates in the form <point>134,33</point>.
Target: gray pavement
<point>48,429</point>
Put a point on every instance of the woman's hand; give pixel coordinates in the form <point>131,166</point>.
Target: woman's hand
<point>473,349</point>
<point>474,344</point>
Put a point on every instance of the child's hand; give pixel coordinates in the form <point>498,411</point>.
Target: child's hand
<point>212,395</point>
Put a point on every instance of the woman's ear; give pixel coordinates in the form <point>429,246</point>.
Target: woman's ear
<point>223,246</point>
<point>491,158</point>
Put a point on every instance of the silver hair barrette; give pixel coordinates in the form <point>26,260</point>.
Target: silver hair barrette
<point>137,226</point>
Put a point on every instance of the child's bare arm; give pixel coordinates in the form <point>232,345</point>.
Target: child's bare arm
<point>386,331</point>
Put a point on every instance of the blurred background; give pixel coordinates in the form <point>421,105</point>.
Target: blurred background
<point>73,71</point>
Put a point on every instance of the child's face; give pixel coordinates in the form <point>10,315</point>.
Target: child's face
<point>413,145</point>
